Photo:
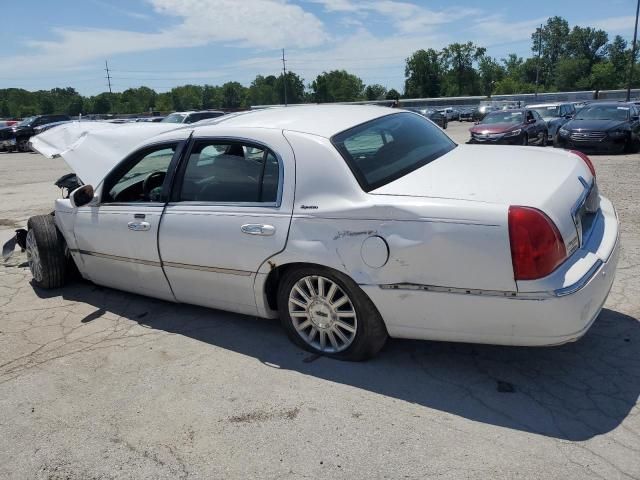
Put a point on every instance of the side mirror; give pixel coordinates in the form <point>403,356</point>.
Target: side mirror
<point>81,196</point>
<point>568,116</point>
<point>531,120</point>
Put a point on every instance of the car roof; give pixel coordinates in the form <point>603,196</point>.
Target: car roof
<point>541,105</point>
<point>320,120</point>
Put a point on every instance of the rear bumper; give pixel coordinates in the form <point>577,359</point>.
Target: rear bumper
<point>560,314</point>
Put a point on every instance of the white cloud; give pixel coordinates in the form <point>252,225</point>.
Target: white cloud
<point>262,24</point>
<point>407,18</point>
<point>615,24</point>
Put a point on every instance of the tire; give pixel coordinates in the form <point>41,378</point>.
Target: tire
<point>366,334</point>
<point>525,140</point>
<point>46,252</point>
<point>22,145</point>
<point>543,142</point>
<point>630,146</point>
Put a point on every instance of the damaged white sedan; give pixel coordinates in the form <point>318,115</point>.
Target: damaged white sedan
<point>350,223</point>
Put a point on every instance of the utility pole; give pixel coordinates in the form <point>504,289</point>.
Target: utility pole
<point>284,78</point>
<point>108,77</point>
<point>633,53</point>
<point>538,61</point>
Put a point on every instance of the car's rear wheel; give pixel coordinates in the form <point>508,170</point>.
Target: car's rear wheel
<point>45,249</point>
<point>325,312</point>
<point>543,141</point>
<point>632,146</point>
<point>23,145</point>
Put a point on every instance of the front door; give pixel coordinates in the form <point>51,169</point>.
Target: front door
<point>118,238</point>
<point>229,213</point>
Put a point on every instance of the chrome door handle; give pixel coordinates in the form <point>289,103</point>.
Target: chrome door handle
<point>139,226</point>
<point>258,229</point>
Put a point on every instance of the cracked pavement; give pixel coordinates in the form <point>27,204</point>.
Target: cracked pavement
<point>101,384</point>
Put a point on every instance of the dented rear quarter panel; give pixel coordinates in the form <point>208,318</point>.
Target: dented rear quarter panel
<point>431,241</point>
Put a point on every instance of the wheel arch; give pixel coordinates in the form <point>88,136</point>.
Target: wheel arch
<point>270,285</point>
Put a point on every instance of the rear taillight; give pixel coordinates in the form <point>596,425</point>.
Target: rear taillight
<point>586,160</point>
<point>537,248</point>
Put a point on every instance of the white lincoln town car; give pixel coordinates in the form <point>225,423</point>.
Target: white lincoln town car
<point>349,223</point>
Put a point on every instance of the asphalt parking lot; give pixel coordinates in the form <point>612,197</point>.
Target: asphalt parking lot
<point>101,384</point>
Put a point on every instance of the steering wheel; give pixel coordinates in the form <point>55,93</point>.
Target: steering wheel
<point>153,180</point>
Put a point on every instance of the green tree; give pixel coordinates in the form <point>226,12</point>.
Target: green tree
<point>165,102</point>
<point>588,44</point>
<point>461,77</point>
<point>572,73</point>
<point>392,94</point>
<point>102,103</point>
<point>603,76</point>
<point>423,74</point>
<point>262,91</point>
<point>375,92</point>
<point>5,112</point>
<point>550,42</point>
<point>491,72</point>
<point>233,95</point>
<point>337,86</point>
<point>295,88</point>
<point>187,97</point>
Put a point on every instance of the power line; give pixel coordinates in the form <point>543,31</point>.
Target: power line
<point>633,53</point>
<point>284,78</point>
<point>106,67</point>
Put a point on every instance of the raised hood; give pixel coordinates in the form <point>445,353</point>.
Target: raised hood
<point>92,149</point>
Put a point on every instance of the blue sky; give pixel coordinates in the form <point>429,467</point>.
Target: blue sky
<point>163,43</point>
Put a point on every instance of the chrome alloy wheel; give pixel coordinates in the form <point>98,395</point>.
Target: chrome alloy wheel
<point>33,256</point>
<point>322,314</point>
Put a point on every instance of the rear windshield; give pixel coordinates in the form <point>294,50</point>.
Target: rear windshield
<point>385,149</point>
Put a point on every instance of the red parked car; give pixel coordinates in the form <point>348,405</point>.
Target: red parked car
<point>520,126</point>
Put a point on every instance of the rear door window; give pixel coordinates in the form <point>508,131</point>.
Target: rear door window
<point>230,172</point>
<point>387,148</point>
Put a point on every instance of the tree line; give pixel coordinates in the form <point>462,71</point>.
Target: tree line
<point>563,59</point>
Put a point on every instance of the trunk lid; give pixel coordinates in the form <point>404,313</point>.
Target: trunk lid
<point>549,180</point>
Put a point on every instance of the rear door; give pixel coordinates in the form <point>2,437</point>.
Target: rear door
<point>230,211</point>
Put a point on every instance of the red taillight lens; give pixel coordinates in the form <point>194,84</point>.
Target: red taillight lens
<point>586,160</point>
<point>537,248</point>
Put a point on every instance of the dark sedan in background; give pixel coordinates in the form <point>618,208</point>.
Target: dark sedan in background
<point>520,126</point>
<point>16,137</point>
<point>555,114</point>
<point>435,116</point>
<point>602,126</point>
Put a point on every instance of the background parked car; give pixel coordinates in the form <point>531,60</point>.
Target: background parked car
<point>555,114</point>
<point>434,115</point>
<point>511,127</point>
<point>17,136</point>
<point>482,111</point>
<point>466,115</point>
<point>191,117</point>
<point>602,126</point>
<point>451,113</point>
<point>7,123</point>
<point>150,119</point>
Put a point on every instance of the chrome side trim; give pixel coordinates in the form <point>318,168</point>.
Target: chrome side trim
<point>118,258</point>
<point>456,290</point>
<point>562,292</point>
<point>229,271</point>
<point>151,263</point>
